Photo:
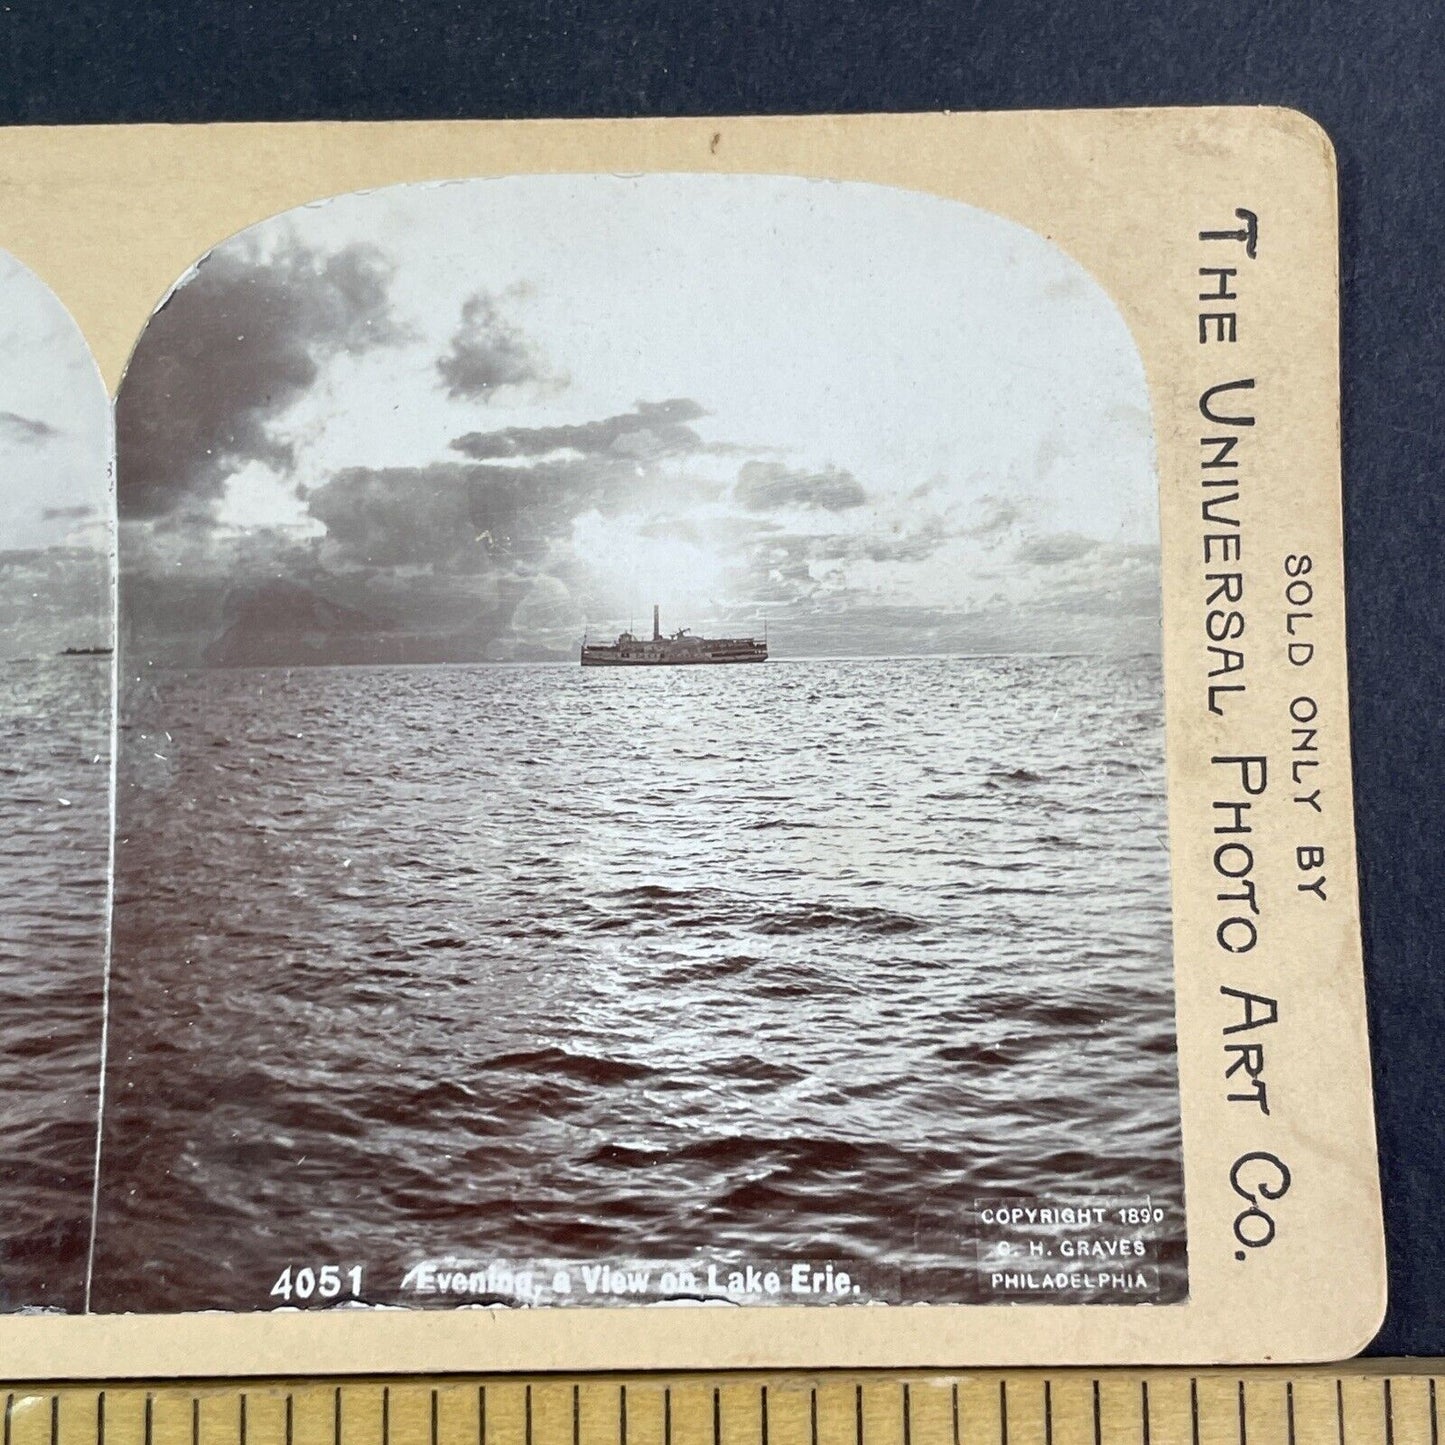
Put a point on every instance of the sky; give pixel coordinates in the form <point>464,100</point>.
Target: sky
<point>55,504</point>
<point>476,419</point>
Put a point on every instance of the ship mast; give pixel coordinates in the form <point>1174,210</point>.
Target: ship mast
<point>656,624</point>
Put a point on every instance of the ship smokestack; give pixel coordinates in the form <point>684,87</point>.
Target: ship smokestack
<point>656,624</point>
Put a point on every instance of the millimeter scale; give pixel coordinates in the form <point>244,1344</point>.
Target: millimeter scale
<point>1393,1402</point>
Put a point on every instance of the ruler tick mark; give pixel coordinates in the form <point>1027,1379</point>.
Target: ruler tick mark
<point>1048,1413</point>
<point>1289,1410</point>
<point>1243,1426</point>
<point>336,1417</point>
<point>290,1417</point>
<point>481,1415</point>
<point>955,1414</point>
<point>1389,1414</point>
<point>576,1415</point>
<point>55,1420</point>
<point>717,1417</point>
<point>434,1431</point>
<point>195,1420</point>
<point>1003,1412</point>
<point>150,1409</point>
<point>100,1418</point>
<point>907,1417</point>
<point>1434,1418</point>
<point>10,1413</point>
<point>1194,1409</point>
<point>813,1417</point>
<point>385,1415</point>
<point>667,1416</point>
<point>622,1416</point>
<point>1340,1408</point>
<point>243,1418</point>
<point>762,1414</point>
<point>1098,1421</point>
<point>1144,1409</point>
<point>528,1398</point>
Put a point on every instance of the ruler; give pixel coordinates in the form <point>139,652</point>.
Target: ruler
<point>1390,1402</point>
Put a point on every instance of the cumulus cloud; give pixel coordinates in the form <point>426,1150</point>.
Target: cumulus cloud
<point>517,495</point>
<point>652,429</point>
<point>768,486</point>
<point>465,517</point>
<point>434,516</point>
<point>231,349</point>
<point>488,353</point>
<point>25,428</point>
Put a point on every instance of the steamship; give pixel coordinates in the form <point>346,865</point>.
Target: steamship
<point>681,649</point>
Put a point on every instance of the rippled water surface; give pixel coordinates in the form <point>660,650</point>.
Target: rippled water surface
<point>54,842</point>
<point>545,964</point>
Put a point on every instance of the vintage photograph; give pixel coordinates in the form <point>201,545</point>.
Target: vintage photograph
<point>56,634</point>
<point>485,931</point>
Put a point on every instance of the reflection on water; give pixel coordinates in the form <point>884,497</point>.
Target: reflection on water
<point>541,964</point>
<point>54,841</point>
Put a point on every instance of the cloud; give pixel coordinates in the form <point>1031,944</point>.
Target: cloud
<point>488,353</point>
<point>997,514</point>
<point>232,348</point>
<point>651,430</point>
<point>434,516</point>
<point>1054,550</point>
<point>1113,581</point>
<point>895,545</point>
<point>25,428</point>
<point>765,486</point>
<point>66,514</point>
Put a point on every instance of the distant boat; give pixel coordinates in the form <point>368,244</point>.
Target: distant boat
<point>681,649</point>
<point>86,652</point>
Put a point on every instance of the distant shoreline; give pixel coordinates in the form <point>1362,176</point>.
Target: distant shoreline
<point>70,654</point>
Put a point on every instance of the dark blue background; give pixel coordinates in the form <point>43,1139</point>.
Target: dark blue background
<point>1371,74</point>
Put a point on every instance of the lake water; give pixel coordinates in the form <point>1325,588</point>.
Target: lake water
<point>550,965</point>
<point>54,845</point>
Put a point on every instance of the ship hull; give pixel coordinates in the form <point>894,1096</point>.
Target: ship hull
<point>591,658</point>
<point>682,649</point>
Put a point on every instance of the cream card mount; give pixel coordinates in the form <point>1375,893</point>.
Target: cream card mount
<point>730,747</point>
